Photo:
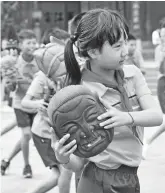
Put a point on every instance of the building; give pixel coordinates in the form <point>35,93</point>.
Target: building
<point>142,16</point>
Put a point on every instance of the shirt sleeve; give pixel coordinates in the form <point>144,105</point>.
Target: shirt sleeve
<point>141,87</point>
<point>36,89</point>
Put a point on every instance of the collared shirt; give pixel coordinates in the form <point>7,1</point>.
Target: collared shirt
<point>26,72</point>
<point>125,148</point>
<point>36,90</point>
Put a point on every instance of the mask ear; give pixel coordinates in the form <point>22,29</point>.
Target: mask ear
<point>55,40</point>
<point>93,53</point>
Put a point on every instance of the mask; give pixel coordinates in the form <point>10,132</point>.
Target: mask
<point>74,110</point>
<point>50,60</point>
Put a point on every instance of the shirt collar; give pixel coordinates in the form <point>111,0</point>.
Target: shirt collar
<point>128,70</point>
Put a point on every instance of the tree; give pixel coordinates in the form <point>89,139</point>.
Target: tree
<point>9,15</point>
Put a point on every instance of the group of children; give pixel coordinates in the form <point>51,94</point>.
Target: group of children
<point>100,38</point>
<point>30,87</point>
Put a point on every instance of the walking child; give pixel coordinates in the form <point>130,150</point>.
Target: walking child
<point>101,38</point>
<point>26,69</point>
<point>39,92</point>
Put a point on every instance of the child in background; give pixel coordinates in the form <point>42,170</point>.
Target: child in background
<point>160,60</point>
<point>39,92</point>
<point>101,38</point>
<point>134,56</point>
<point>156,33</point>
<point>26,68</point>
<point>8,70</point>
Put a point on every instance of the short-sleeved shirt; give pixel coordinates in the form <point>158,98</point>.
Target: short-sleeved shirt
<point>125,148</point>
<point>26,71</point>
<point>36,90</point>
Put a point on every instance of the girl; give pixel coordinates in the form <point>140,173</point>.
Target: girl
<point>101,38</point>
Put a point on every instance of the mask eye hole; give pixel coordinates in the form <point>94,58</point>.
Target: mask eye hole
<point>82,135</point>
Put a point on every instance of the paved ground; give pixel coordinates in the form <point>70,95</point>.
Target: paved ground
<point>151,171</point>
<point>13,182</point>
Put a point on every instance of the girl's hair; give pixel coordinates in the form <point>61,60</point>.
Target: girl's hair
<point>131,37</point>
<point>74,22</point>
<point>95,28</point>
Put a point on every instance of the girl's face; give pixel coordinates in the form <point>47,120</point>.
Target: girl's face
<point>112,57</point>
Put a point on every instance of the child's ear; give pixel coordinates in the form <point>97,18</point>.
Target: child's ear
<point>93,53</point>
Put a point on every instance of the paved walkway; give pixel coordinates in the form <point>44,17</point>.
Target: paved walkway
<point>151,171</point>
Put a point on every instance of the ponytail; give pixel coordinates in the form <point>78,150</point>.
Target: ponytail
<point>71,64</point>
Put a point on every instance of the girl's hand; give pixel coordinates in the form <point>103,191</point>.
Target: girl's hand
<point>114,117</point>
<point>62,151</point>
<point>41,105</point>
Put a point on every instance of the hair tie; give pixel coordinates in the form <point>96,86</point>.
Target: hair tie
<point>74,37</point>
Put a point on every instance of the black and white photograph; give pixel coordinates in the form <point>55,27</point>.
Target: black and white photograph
<point>82,97</point>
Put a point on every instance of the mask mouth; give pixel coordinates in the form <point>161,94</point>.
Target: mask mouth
<point>90,145</point>
<point>96,139</point>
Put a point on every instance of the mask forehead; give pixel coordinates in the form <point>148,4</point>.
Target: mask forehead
<point>75,111</point>
<point>74,108</point>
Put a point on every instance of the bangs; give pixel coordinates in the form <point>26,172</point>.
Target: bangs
<point>98,26</point>
<point>111,27</point>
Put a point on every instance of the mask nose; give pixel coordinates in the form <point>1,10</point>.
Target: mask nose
<point>87,129</point>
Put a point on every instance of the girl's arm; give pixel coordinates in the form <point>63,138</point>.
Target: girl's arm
<point>75,164</point>
<point>150,115</point>
<point>28,102</point>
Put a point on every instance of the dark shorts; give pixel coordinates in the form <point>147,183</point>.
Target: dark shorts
<point>24,119</point>
<point>121,180</point>
<point>43,146</point>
